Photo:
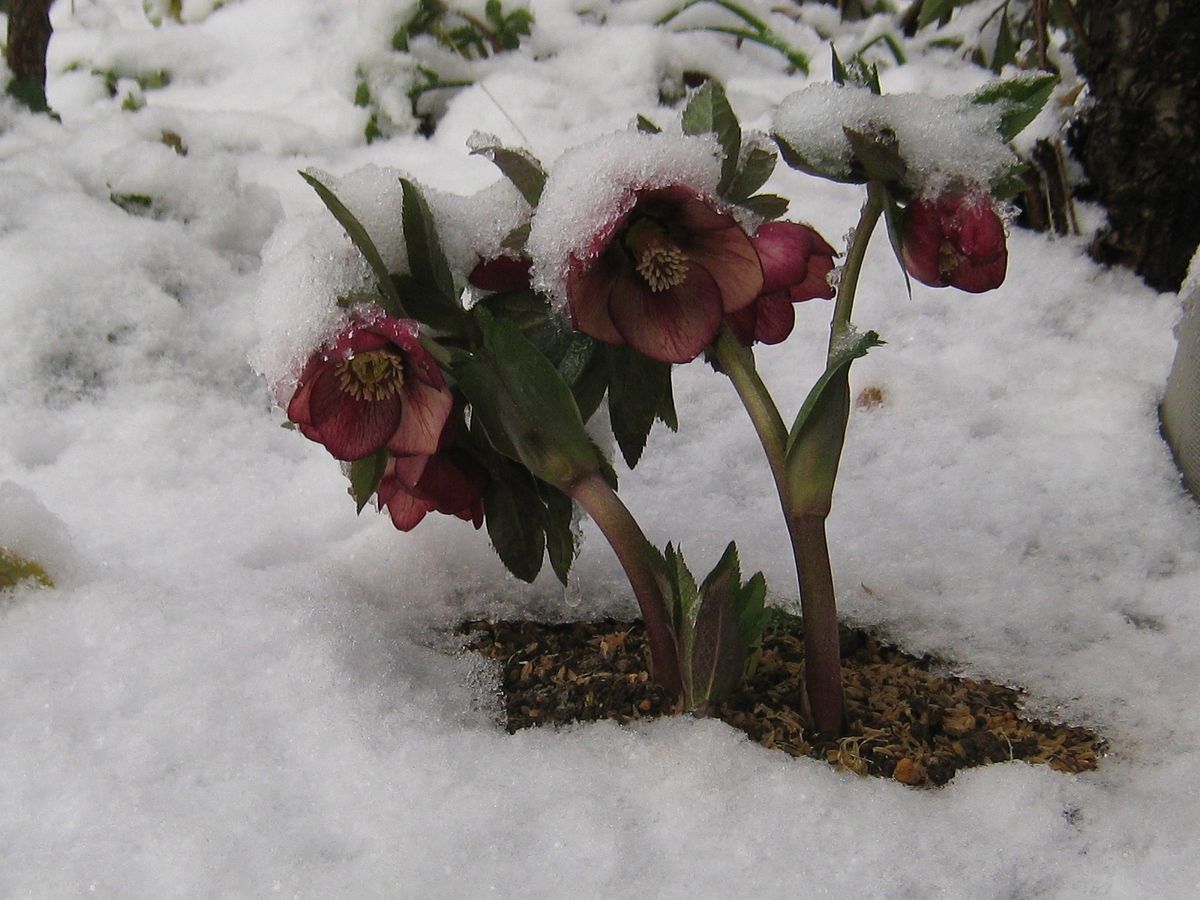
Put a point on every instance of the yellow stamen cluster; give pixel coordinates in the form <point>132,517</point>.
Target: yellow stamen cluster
<point>374,375</point>
<point>663,265</point>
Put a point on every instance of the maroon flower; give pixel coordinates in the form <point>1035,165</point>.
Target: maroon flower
<point>663,275</point>
<point>449,481</point>
<point>375,387</point>
<point>957,240</point>
<point>501,274</point>
<point>795,262</point>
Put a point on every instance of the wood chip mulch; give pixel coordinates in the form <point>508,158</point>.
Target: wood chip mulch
<point>906,721</point>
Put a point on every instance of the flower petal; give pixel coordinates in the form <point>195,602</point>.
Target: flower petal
<point>350,428</point>
<point>923,238</point>
<point>501,274</point>
<point>406,510</point>
<point>731,260</point>
<point>589,287</point>
<point>788,250</point>
<point>451,482</point>
<point>776,318</point>
<point>976,276</point>
<point>425,411</point>
<point>672,325</point>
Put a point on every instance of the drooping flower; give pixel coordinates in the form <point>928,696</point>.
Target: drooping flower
<point>449,481</point>
<point>501,274</point>
<point>957,241</point>
<point>663,274</point>
<point>375,387</point>
<point>796,261</point>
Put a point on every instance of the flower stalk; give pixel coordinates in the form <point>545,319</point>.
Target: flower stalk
<point>635,554</point>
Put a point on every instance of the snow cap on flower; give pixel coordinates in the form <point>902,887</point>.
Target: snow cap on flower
<point>591,186</point>
<point>375,387</point>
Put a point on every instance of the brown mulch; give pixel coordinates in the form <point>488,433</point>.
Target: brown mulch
<point>906,721</point>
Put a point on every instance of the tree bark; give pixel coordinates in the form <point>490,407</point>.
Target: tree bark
<point>1140,141</point>
<point>28,37</point>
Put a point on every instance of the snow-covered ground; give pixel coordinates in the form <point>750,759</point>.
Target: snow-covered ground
<point>239,688</point>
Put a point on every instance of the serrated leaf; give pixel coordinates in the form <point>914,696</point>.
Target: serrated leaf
<point>878,153</point>
<point>516,522</point>
<point>518,166</point>
<point>636,385</point>
<point>769,206</point>
<point>1006,45</point>
<point>390,299</point>
<point>426,260</point>
<point>753,174</point>
<point>645,126</point>
<point>717,656</point>
<point>560,531</point>
<point>708,112</point>
<point>1020,100</point>
<point>365,475</point>
<point>934,11</point>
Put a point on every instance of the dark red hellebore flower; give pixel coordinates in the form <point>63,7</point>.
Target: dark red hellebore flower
<point>375,387</point>
<point>449,482</point>
<point>501,274</point>
<point>662,275</point>
<point>956,241</point>
<point>796,261</point>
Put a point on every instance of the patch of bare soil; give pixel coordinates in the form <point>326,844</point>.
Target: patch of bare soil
<point>905,721</point>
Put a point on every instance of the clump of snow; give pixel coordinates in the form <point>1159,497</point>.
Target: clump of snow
<point>593,185</point>
<point>944,140</point>
<point>473,227</point>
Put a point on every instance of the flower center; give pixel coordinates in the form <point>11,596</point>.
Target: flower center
<point>948,258</point>
<point>374,375</point>
<point>662,264</point>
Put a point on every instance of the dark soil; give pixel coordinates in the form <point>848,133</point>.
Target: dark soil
<point>905,721</point>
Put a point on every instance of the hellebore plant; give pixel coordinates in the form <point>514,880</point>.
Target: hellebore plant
<point>478,410</point>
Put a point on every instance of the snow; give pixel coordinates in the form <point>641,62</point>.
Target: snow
<point>591,186</point>
<point>239,688</point>
<point>944,140</point>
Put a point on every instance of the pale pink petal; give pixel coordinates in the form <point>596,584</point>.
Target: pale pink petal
<point>425,411</point>
<point>406,510</point>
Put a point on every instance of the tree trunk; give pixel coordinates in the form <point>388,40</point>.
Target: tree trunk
<point>28,37</point>
<point>1140,141</point>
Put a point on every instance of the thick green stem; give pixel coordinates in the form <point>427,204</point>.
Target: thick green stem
<point>737,363</point>
<point>634,552</point>
<point>822,649</point>
<point>848,285</point>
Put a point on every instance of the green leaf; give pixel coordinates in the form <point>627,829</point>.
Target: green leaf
<point>935,11</point>
<point>878,154</point>
<point>636,386</point>
<point>645,126</point>
<point>517,238</point>
<point>15,568</point>
<point>753,174</point>
<point>893,217</point>
<point>717,656</point>
<point>1020,100</point>
<point>425,258</point>
<point>516,521</point>
<point>769,206</point>
<point>833,168</point>
<point>518,166</point>
<point>430,307</point>
<point>814,444</point>
<point>1010,182</point>
<point>390,299</point>
<point>679,590</point>
<point>839,71</point>
<point>525,406</point>
<point>708,112</point>
<point>1006,45</point>
<point>560,531</point>
<point>365,475</point>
